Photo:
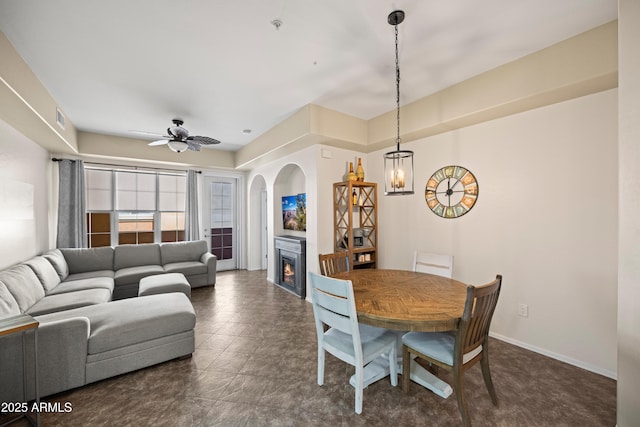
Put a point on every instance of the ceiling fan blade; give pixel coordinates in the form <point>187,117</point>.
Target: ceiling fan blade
<point>160,142</point>
<point>204,140</point>
<point>193,146</point>
<point>152,134</point>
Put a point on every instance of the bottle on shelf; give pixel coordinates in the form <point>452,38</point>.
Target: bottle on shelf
<point>351,176</point>
<point>354,198</point>
<point>360,170</point>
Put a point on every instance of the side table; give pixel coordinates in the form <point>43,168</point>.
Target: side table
<point>20,324</point>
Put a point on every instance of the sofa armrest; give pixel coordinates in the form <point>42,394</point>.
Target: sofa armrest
<point>62,357</point>
<point>211,261</point>
<point>62,354</point>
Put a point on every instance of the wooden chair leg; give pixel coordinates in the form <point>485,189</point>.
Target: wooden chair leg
<point>458,388</point>
<point>486,374</point>
<point>406,369</point>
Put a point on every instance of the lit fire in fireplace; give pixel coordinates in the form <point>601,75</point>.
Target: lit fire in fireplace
<point>289,273</point>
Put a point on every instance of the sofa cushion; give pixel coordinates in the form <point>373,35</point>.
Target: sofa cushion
<point>130,275</point>
<point>23,284</point>
<point>8,304</point>
<point>81,260</point>
<point>159,316</point>
<point>58,262</point>
<point>45,272</point>
<point>187,267</point>
<point>136,255</point>
<point>130,321</point>
<point>70,300</point>
<point>90,275</point>
<point>80,285</point>
<point>182,251</point>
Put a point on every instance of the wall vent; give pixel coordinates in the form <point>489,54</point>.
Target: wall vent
<point>59,118</point>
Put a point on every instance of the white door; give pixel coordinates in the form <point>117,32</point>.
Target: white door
<point>220,220</point>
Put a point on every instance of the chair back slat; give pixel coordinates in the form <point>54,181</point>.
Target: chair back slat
<point>335,320</point>
<point>334,263</point>
<point>479,308</point>
<point>439,264</point>
<point>333,303</point>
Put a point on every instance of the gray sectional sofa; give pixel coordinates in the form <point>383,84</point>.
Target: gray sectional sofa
<point>127,264</point>
<point>92,324</point>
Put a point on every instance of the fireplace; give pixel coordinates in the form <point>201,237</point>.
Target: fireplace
<point>291,264</point>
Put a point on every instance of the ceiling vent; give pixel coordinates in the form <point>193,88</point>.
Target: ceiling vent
<point>59,118</point>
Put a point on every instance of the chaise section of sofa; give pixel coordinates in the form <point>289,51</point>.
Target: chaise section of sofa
<point>80,346</point>
<point>129,334</point>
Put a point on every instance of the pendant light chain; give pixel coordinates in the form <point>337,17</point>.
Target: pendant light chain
<point>397,91</point>
<point>398,164</point>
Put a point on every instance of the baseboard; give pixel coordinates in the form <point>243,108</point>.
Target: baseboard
<point>560,357</point>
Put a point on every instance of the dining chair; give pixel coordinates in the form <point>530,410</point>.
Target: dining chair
<point>331,264</point>
<point>426,262</point>
<point>353,343</point>
<point>456,352</point>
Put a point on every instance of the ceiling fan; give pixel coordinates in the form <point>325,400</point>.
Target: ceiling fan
<point>179,140</point>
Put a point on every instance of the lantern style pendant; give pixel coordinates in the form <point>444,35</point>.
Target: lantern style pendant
<point>398,164</point>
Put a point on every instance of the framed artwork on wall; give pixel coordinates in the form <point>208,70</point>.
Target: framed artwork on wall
<point>294,212</point>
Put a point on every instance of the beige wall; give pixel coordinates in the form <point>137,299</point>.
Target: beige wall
<point>629,233</point>
<point>546,218</point>
<point>24,180</point>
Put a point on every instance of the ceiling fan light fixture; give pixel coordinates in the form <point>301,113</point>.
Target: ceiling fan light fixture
<point>398,164</point>
<point>178,146</point>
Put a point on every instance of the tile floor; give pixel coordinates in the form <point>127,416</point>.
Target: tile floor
<point>255,364</point>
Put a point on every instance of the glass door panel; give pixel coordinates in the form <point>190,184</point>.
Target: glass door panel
<point>219,220</point>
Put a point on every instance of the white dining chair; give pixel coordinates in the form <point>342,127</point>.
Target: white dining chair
<point>432,263</point>
<point>353,343</point>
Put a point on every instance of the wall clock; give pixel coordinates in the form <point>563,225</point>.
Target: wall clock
<point>451,191</point>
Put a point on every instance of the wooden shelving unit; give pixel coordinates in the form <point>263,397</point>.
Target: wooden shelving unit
<point>355,225</point>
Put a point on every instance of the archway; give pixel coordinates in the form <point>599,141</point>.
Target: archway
<point>258,225</point>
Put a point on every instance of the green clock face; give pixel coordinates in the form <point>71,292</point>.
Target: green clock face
<point>451,191</point>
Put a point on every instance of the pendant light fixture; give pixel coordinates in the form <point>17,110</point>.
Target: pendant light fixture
<point>398,164</point>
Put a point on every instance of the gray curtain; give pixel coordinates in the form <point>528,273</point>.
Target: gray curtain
<point>72,231</point>
<point>192,224</point>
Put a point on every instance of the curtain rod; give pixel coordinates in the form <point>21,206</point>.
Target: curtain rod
<point>54,159</point>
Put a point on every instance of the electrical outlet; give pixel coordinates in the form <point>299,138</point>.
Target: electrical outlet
<point>523,310</point>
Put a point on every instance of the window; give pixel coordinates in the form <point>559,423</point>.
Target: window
<point>99,186</point>
<point>134,207</point>
<point>135,228</point>
<point>99,229</point>
<point>172,189</point>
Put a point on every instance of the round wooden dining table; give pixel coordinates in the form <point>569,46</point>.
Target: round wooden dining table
<point>406,300</point>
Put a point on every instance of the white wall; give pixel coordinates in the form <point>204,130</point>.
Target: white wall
<point>629,233</point>
<point>24,174</point>
<point>306,161</point>
<point>546,218</point>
